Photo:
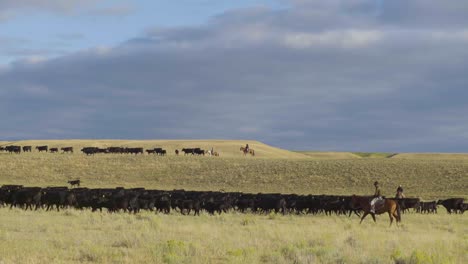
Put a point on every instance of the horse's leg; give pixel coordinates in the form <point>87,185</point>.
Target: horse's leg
<point>391,217</point>
<point>373,217</point>
<point>397,217</point>
<point>363,216</point>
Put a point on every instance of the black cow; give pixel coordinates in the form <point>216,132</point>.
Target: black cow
<point>163,203</point>
<point>151,151</point>
<point>135,151</point>
<point>464,207</point>
<point>177,152</point>
<point>115,150</point>
<point>427,207</point>
<point>408,203</point>
<point>42,148</point>
<point>198,151</point>
<point>53,150</point>
<point>188,151</point>
<point>453,205</point>
<point>67,149</point>
<point>58,197</point>
<point>216,206</point>
<point>26,197</point>
<point>90,150</point>
<point>186,206</point>
<point>267,202</point>
<point>13,149</point>
<point>27,148</point>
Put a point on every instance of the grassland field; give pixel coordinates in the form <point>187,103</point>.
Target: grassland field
<point>75,236</point>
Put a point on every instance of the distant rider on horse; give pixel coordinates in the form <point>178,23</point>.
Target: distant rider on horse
<point>247,148</point>
<point>377,197</point>
<point>399,193</point>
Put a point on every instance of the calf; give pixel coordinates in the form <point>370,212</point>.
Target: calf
<point>74,183</point>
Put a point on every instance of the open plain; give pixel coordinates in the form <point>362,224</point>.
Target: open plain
<point>82,236</point>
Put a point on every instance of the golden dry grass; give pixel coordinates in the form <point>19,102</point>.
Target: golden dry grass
<point>84,237</point>
<point>432,156</point>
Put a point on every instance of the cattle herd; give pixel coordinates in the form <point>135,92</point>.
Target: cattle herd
<point>185,202</point>
<point>108,150</point>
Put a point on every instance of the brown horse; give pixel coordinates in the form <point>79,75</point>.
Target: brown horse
<point>245,151</point>
<point>389,206</point>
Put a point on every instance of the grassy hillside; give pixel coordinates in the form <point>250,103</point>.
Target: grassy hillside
<point>432,156</point>
<point>329,155</point>
<point>291,173</point>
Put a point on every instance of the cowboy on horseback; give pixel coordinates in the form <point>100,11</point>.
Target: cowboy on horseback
<point>247,148</point>
<point>399,193</point>
<point>377,197</point>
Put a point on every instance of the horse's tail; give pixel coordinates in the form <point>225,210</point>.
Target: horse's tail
<point>398,209</point>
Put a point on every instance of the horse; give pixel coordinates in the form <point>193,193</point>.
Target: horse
<point>389,206</point>
<point>249,151</point>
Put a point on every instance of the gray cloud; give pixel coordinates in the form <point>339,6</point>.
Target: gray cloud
<point>319,75</point>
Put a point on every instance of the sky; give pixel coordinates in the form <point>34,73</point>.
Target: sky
<point>335,75</point>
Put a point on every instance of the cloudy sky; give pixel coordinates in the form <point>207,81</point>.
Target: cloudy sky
<point>349,75</point>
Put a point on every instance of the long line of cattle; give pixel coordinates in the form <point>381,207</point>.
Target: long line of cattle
<point>96,150</point>
<point>185,202</point>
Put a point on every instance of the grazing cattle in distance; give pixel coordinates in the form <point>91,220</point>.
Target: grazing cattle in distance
<point>157,151</point>
<point>67,149</point>
<point>90,150</point>
<point>199,151</point>
<point>2,148</point>
<point>74,183</point>
<point>42,148</point>
<point>187,151</point>
<point>177,152</point>
<point>135,151</point>
<point>115,150</point>
<point>193,151</point>
<point>53,150</point>
<point>27,148</point>
<point>150,151</point>
<point>13,149</point>
<point>160,151</point>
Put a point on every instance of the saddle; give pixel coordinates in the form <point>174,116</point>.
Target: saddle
<point>379,204</point>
